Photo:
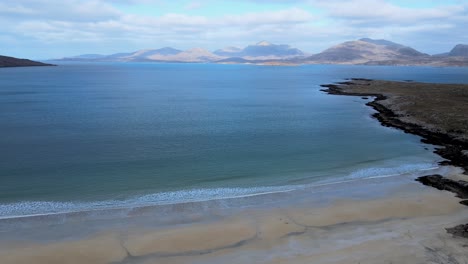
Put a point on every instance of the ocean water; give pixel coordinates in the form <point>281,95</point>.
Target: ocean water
<point>88,136</point>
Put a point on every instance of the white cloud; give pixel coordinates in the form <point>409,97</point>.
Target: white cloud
<point>91,23</point>
<point>193,5</point>
<point>287,16</point>
<point>179,30</point>
<point>380,11</point>
<point>15,9</point>
<point>64,10</point>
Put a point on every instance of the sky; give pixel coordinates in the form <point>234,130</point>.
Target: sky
<point>44,29</point>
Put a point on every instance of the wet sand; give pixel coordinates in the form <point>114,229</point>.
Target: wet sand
<point>382,220</point>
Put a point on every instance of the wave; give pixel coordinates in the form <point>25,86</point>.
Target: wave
<point>390,171</point>
<point>31,208</point>
<point>35,208</point>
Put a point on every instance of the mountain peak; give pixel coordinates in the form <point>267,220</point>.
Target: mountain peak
<point>459,50</point>
<point>382,42</point>
<point>366,51</point>
<point>263,43</point>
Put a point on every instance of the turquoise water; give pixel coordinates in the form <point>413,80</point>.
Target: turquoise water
<point>85,136</point>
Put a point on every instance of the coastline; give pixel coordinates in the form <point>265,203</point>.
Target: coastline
<point>372,221</point>
<point>384,219</point>
<point>451,147</point>
<point>51,209</point>
<point>128,209</point>
<point>390,101</point>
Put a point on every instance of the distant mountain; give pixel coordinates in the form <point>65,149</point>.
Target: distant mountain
<point>95,57</point>
<point>266,49</point>
<point>399,48</point>
<point>117,56</point>
<point>234,60</point>
<point>366,50</point>
<point>89,56</point>
<point>228,52</point>
<point>382,42</point>
<point>191,55</point>
<point>6,61</point>
<point>261,51</point>
<point>166,54</point>
<point>125,56</point>
<point>146,54</point>
<point>459,50</point>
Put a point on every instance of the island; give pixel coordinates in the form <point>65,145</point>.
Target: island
<point>6,61</point>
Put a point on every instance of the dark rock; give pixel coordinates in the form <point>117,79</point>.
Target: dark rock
<point>347,83</point>
<point>460,230</point>
<point>464,202</point>
<point>460,188</point>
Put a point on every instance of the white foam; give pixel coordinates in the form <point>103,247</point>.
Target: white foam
<point>37,208</point>
<point>391,171</point>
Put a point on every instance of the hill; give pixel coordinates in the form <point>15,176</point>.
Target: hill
<point>459,50</point>
<point>263,50</point>
<point>365,51</point>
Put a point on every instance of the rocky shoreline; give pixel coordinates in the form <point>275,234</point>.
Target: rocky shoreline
<point>452,143</point>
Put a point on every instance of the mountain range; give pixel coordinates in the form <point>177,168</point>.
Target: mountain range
<point>364,51</point>
<point>261,51</point>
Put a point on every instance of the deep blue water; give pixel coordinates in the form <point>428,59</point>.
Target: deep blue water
<point>95,135</point>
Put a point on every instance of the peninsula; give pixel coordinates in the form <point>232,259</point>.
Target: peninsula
<point>436,112</point>
<point>6,61</point>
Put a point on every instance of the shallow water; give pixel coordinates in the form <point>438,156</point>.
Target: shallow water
<point>83,136</point>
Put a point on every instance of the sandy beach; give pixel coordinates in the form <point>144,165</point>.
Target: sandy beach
<point>382,220</point>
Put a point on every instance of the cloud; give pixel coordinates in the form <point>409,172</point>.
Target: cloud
<point>171,28</point>
<point>309,24</point>
<point>420,27</point>
<point>380,11</point>
<point>64,10</point>
<point>193,5</point>
<point>282,17</point>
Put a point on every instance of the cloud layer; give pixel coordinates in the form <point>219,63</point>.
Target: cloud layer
<point>43,29</point>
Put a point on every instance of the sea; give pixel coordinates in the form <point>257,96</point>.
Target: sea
<point>91,136</point>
